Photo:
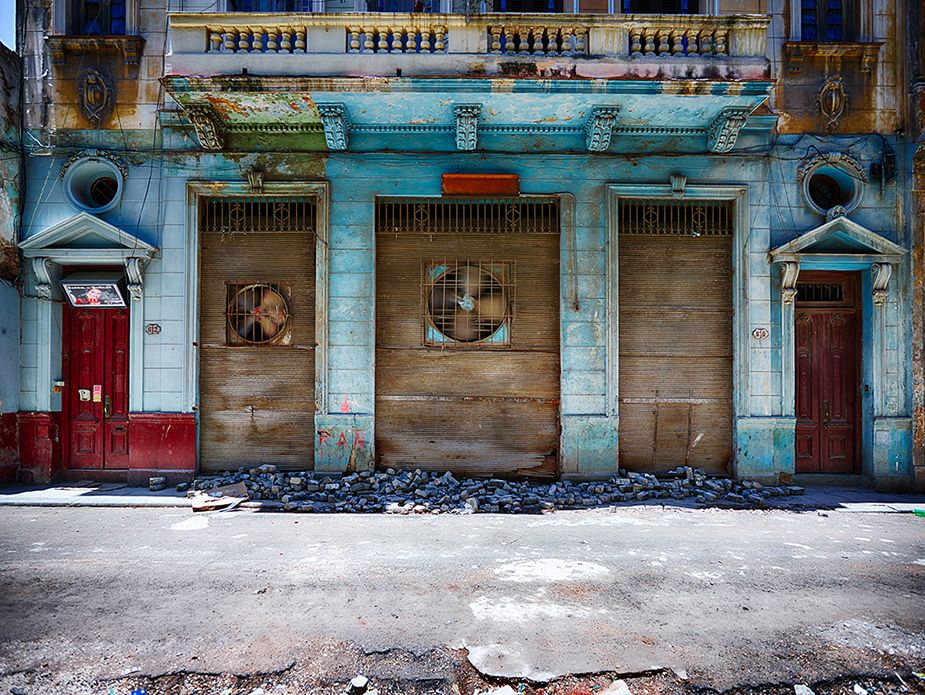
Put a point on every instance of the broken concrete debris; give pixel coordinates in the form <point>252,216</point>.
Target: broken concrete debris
<point>406,492</point>
<point>360,686</point>
<point>157,483</point>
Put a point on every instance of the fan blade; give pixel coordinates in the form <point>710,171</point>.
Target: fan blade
<point>271,325</point>
<point>492,307</point>
<point>272,302</point>
<point>471,281</point>
<point>245,300</point>
<point>442,300</point>
<point>465,328</point>
<point>243,329</point>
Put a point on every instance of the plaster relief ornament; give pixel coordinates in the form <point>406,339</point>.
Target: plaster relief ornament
<point>599,128</point>
<point>207,126</point>
<point>832,102</point>
<point>96,97</point>
<point>723,131</point>
<point>336,125</point>
<point>467,126</point>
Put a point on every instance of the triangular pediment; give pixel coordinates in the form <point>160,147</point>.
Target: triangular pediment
<point>85,234</point>
<point>838,245</point>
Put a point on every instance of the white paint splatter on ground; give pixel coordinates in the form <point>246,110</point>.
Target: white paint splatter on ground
<point>510,610</point>
<point>196,523</point>
<point>550,570</point>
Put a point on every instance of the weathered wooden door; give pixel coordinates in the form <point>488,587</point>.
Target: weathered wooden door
<point>826,344</point>
<point>96,402</point>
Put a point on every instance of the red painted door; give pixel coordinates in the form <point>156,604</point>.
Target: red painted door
<point>827,390</point>
<point>97,388</point>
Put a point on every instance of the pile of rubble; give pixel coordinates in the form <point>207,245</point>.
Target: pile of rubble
<point>404,492</point>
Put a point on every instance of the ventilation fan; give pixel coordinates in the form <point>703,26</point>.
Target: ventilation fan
<point>467,304</point>
<point>258,314</point>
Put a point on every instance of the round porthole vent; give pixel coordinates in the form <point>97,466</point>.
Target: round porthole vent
<point>832,181</point>
<point>93,183</point>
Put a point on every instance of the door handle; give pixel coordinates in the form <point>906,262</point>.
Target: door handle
<point>825,413</point>
<point>106,406</point>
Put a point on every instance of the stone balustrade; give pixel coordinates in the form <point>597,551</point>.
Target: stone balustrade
<point>626,36</point>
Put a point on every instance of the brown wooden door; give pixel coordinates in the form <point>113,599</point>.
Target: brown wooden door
<point>826,344</point>
<point>96,401</point>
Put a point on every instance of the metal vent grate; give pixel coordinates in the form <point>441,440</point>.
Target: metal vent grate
<point>257,313</point>
<point>243,214</point>
<point>688,217</point>
<point>467,215</point>
<point>820,292</point>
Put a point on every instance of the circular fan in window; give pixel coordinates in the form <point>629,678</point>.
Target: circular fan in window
<point>467,304</point>
<point>258,314</point>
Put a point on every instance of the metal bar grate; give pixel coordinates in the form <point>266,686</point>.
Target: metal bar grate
<point>687,217</point>
<point>820,292</point>
<point>468,215</point>
<point>244,214</point>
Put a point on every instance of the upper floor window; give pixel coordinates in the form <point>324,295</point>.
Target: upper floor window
<point>824,20</point>
<point>660,6</point>
<point>277,6</point>
<point>104,17</point>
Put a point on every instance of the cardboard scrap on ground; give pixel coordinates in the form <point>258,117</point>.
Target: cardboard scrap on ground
<point>226,497</point>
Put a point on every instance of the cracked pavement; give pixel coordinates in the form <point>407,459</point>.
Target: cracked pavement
<point>731,599</point>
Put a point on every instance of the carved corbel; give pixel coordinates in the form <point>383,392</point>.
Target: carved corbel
<point>336,125</point>
<point>255,180</point>
<point>134,271</point>
<point>678,182</point>
<point>788,283</point>
<point>42,269</point>
<point>880,277</point>
<point>207,125</point>
<point>599,128</point>
<point>467,126</point>
<point>724,130</point>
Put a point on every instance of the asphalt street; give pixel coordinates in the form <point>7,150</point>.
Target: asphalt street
<point>725,597</point>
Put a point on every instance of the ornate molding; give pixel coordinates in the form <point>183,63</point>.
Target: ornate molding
<point>134,271</point>
<point>678,182</point>
<point>96,97</point>
<point>832,102</point>
<point>836,159</point>
<point>866,53</point>
<point>467,126</point>
<point>74,158</point>
<point>131,47</point>
<point>207,124</point>
<point>788,284</point>
<point>42,269</point>
<point>724,129</point>
<point>599,128</point>
<point>336,125</point>
<point>880,277</point>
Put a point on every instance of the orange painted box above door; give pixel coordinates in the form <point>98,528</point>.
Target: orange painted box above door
<point>480,184</point>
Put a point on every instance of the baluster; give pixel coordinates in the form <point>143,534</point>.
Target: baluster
<point>215,40</point>
<point>300,39</point>
<point>272,33</point>
<point>355,39</point>
<point>243,40</point>
<point>566,47</point>
<point>509,33</point>
<point>664,48</point>
<point>523,40</point>
<point>425,39</point>
<point>230,42</point>
<point>285,41</point>
<point>706,43</point>
<point>691,36</point>
<point>635,42</point>
<point>368,45</point>
<point>538,34</point>
<point>495,39</point>
<point>650,41</point>
<point>677,42</point>
<point>580,34</point>
<point>397,44</point>
<point>721,36</point>
<point>440,44</point>
<point>383,39</point>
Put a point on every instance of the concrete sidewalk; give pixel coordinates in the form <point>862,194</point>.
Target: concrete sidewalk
<point>92,494</point>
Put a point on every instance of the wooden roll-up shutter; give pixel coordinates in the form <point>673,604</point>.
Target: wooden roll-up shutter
<point>675,335</point>
<point>257,332</point>
<point>470,390</point>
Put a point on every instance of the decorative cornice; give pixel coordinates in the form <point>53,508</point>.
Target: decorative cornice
<point>130,47</point>
<point>599,128</point>
<point>832,102</point>
<point>467,126</point>
<point>866,53</point>
<point>836,159</point>
<point>724,129</point>
<point>208,125</point>
<point>336,125</point>
<point>880,277</point>
<point>74,158</point>
<point>271,128</point>
<point>788,283</point>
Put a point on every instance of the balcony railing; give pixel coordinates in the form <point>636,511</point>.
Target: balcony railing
<point>626,36</point>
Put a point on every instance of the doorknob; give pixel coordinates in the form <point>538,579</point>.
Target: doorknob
<point>106,406</point>
<point>825,413</point>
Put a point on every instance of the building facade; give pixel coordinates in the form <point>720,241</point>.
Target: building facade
<point>495,240</point>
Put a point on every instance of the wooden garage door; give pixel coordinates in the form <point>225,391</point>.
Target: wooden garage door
<point>675,333</point>
<point>467,335</point>
<point>257,332</point>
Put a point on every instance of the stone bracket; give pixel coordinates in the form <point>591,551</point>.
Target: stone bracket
<point>336,125</point>
<point>207,124</point>
<point>467,126</point>
<point>599,128</point>
<point>788,283</point>
<point>134,272</point>
<point>724,129</point>
<point>42,269</point>
<point>880,278</point>
<point>866,53</point>
<point>130,47</point>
